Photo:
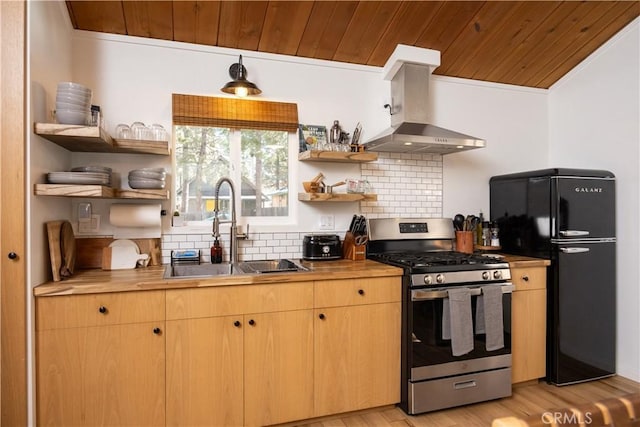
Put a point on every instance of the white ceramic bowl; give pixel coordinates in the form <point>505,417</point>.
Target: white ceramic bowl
<point>141,183</point>
<point>154,174</point>
<point>71,106</point>
<point>71,99</point>
<point>71,117</point>
<point>74,86</point>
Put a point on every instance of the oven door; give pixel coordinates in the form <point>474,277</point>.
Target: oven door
<point>430,355</point>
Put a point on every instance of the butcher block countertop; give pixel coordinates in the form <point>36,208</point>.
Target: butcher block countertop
<point>151,278</point>
<point>519,261</point>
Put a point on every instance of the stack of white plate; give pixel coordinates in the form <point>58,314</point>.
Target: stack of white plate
<point>79,178</point>
<point>147,178</point>
<point>105,171</point>
<point>73,104</point>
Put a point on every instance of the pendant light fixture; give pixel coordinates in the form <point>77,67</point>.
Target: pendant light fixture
<point>240,86</point>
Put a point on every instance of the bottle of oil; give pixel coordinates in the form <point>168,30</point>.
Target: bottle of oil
<point>216,252</point>
<point>478,230</point>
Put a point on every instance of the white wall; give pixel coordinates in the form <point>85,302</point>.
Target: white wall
<point>594,123</point>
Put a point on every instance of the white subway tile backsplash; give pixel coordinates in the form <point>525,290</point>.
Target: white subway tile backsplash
<point>406,184</point>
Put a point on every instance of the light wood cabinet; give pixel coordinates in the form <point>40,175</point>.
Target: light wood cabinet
<point>356,344</point>
<point>91,371</point>
<point>252,365</point>
<point>528,323</point>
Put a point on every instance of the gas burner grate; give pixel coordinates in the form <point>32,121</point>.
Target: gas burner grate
<point>435,259</point>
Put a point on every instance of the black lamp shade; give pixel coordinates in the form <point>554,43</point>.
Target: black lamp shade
<point>240,86</point>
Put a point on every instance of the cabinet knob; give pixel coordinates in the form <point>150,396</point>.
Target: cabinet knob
<point>12,255</point>
<point>236,323</point>
<point>321,316</point>
<point>361,291</point>
<point>157,331</point>
<point>252,322</point>
<point>525,278</point>
<point>103,309</point>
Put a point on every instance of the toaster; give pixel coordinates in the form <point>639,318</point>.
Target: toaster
<point>317,247</point>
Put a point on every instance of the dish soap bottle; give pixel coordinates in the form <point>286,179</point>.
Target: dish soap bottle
<point>216,252</point>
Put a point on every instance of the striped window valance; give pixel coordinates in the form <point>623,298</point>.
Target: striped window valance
<point>193,110</point>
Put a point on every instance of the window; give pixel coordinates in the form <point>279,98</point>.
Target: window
<point>248,141</point>
<point>257,161</point>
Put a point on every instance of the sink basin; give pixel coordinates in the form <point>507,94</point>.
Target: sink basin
<point>198,270</point>
<point>245,267</point>
<point>270,266</point>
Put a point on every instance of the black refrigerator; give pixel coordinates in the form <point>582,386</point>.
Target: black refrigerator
<point>568,217</point>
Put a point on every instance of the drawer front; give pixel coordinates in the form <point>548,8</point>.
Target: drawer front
<point>529,278</point>
<point>71,311</point>
<point>337,293</point>
<point>240,299</point>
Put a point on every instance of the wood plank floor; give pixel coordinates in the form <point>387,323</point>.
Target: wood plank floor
<point>527,399</point>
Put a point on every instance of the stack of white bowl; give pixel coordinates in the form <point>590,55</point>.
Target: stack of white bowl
<point>147,178</point>
<point>73,104</point>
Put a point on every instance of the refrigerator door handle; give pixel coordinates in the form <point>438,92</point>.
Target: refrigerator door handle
<point>573,233</point>
<point>574,250</point>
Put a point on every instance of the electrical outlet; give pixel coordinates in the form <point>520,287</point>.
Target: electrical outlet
<point>89,225</point>
<point>327,222</point>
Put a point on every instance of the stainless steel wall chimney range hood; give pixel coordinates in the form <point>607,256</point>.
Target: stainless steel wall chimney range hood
<point>409,69</point>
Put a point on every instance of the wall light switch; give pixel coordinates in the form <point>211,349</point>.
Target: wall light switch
<point>327,222</point>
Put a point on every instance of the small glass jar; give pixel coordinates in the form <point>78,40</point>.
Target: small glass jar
<point>495,234</point>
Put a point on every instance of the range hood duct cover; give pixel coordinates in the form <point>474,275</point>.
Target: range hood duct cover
<point>410,131</point>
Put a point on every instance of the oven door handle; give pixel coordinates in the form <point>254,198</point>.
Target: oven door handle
<point>422,295</point>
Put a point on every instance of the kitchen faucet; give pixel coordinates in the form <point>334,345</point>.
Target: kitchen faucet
<point>233,243</point>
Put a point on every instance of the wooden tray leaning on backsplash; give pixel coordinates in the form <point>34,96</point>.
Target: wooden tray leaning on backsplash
<point>89,251</point>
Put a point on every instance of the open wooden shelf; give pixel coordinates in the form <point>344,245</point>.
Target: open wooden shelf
<point>336,197</point>
<point>93,139</point>
<point>337,156</point>
<point>97,191</point>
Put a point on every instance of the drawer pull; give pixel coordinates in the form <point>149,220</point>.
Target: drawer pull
<point>157,331</point>
<point>252,322</point>
<point>12,255</point>
<point>465,384</point>
<point>236,323</point>
<point>525,278</point>
<point>103,309</point>
<point>321,316</point>
<point>361,291</point>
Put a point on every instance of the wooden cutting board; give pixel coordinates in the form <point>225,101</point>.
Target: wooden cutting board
<point>68,250</point>
<point>62,249</point>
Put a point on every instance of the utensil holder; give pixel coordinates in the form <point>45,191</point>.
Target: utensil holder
<point>352,251</point>
<point>464,241</point>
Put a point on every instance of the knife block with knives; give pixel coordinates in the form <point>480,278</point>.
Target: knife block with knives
<point>354,246</point>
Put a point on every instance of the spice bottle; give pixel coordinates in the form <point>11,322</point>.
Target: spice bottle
<point>495,234</point>
<point>486,234</point>
<point>216,252</point>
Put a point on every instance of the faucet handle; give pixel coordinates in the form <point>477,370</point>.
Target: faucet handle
<point>240,235</point>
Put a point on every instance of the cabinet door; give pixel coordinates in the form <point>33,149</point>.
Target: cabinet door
<point>96,376</point>
<point>204,371</point>
<point>528,335</point>
<point>278,366</point>
<point>357,357</point>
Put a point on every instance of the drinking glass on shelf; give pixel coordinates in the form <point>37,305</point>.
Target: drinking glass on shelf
<point>138,130</point>
<point>123,131</point>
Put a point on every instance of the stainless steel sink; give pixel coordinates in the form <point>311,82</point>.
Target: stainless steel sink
<point>245,267</point>
<point>198,270</point>
<point>270,266</point>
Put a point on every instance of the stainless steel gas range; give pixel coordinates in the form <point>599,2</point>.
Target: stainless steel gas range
<point>456,315</point>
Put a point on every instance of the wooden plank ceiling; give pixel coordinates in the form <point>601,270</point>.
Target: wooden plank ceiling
<point>526,43</point>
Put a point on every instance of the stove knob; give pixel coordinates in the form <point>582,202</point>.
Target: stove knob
<point>440,278</point>
<point>428,280</point>
<point>497,274</point>
<point>485,275</point>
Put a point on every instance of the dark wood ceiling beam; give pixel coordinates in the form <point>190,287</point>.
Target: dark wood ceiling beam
<point>102,16</point>
<point>153,19</point>
<point>447,24</point>
<point>325,29</point>
<point>370,21</point>
<point>196,21</point>
<point>411,19</point>
<point>526,18</point>
<point>284,25</point>
<point>241,24</point>
<point>600,33</point>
